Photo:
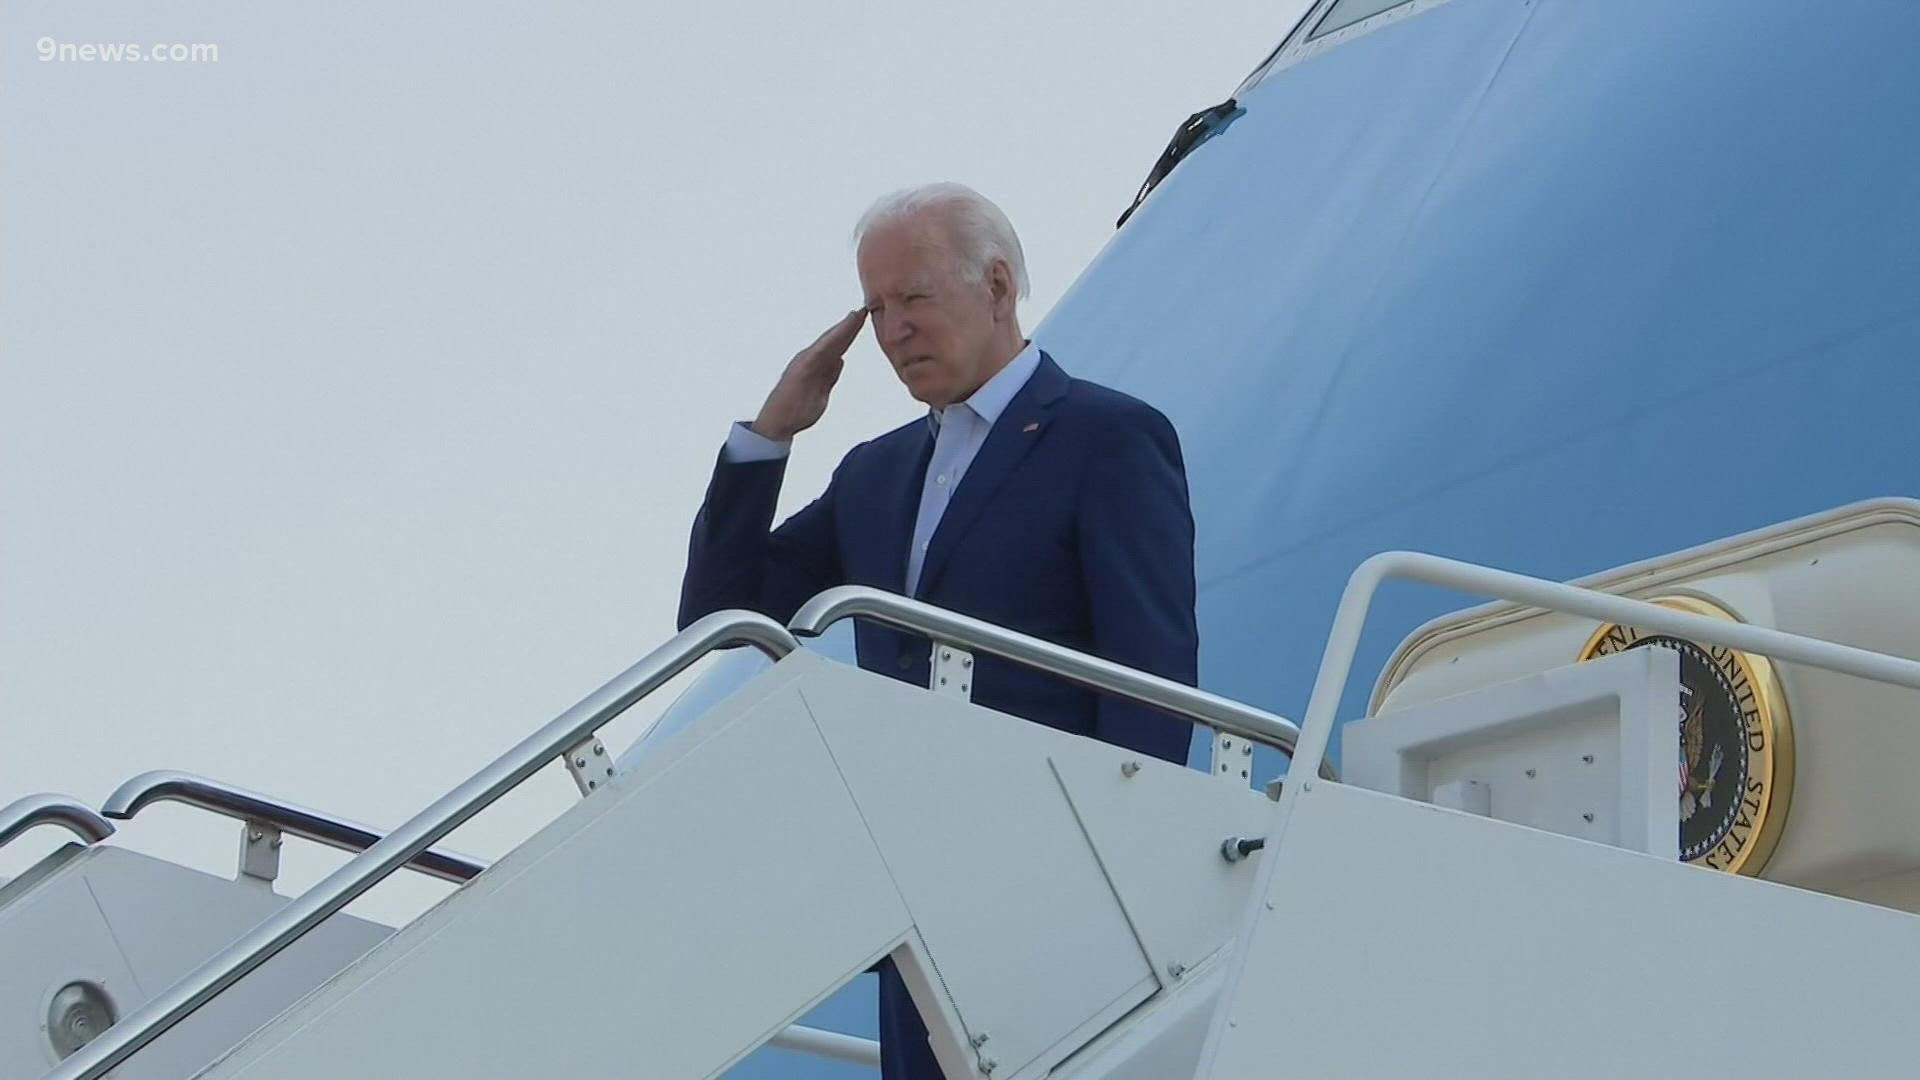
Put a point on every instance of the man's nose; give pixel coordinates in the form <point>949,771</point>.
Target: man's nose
<point>892,328</point>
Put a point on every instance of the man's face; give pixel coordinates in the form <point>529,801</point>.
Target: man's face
<point>934,327</point>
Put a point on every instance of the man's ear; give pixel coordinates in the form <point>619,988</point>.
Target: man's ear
<point>1000,287</point>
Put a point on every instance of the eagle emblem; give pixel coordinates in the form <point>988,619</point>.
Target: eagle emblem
<point>1735,748</point>
<point>1696,790</point>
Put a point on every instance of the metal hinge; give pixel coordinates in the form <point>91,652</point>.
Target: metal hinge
<point>1232,758</point>
<point>952,672</point>
<point>590,764</point>
<point>260,852</point>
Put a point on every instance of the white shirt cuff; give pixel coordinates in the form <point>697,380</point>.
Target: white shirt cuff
<point>745,444</point>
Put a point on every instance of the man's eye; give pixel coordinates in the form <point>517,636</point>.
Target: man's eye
<point>911,297</point>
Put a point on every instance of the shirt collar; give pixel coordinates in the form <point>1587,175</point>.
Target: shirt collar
<point>997,393</point>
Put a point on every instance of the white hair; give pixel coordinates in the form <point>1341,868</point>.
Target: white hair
<point>981,230</point>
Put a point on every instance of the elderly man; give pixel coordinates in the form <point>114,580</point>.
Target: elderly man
<point>1024,497</point>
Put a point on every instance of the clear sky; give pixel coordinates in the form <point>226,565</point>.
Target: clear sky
<point>357,387</point>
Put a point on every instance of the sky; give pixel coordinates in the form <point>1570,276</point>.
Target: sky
<point>359,380</point>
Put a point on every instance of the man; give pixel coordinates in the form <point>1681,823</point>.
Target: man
<point>1024,497</point>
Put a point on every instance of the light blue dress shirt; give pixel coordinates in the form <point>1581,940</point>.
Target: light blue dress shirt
<point>959,430</point>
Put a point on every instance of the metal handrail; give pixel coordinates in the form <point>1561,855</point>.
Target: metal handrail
<point>953,628</point>
<point>400,847</point>
<point>65,811</point>
<point>167,785</point>
<point>829,1044</point>
<point>1344,639</point>
<point>231,800</point>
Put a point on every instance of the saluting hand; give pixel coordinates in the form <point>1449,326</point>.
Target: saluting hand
<point>799,399</point>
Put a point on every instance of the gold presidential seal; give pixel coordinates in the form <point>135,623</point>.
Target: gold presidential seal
<point>1736,743</point>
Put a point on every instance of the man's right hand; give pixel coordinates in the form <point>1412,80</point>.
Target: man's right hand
<point>799,399</point>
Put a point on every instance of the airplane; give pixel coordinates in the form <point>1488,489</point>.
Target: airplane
<point>1612,292</point>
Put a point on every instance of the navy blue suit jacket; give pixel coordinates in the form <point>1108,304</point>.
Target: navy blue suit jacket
<point>1071,524</point>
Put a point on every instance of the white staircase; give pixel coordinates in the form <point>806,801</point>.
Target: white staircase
<point>818,820</point>
<point>1060,907</point>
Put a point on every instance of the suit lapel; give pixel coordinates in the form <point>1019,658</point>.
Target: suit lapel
<point>1014,434</point>
<point>897,504</point>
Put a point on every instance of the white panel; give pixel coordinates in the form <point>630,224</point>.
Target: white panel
<point>1018,918</point>
<point>1161,1040</point>
<point>675,918</point>
<point>1850,575</point>
<point>1158,834</point>
<point>1855,802</point>
<point>168,920</point>
<point>1586,750</point>
<point>1895,890</point>
<point>52,937</point>
<point>1473,796</point>
<point>145,923</point>
<point>1407,940</point>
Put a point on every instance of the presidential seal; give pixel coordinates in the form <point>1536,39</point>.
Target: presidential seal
<point>1736,743</point>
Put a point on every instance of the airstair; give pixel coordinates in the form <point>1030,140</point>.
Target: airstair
<point>1058,907</point>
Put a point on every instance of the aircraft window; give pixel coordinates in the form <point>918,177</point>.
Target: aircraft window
<point>1345,13</point>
